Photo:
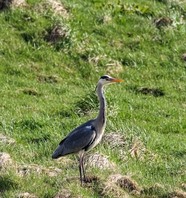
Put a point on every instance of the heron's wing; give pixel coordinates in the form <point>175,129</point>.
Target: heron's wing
<point>77,140</point>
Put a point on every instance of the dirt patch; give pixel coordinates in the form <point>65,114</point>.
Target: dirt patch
<point>125,183</point>
<point>156,92</point>
<point>48,79</point>
<point>156,189</point>
<point>30,91</point>
<point>130,185</point>
<point>99,161</point>
<point>162,21</point>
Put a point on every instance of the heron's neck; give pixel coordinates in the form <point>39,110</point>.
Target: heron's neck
<point>102,110</point>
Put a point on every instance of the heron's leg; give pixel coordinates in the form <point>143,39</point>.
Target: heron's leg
<point>81,167</point>
<point>84,177</point>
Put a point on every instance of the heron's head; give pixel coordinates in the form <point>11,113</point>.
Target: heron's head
<point>104,80</point>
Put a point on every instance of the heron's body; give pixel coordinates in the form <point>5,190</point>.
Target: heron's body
<point>89,134</point>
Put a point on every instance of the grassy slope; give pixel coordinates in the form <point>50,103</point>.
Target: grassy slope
<point>98,36</point>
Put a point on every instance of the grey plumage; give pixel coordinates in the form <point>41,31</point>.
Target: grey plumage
<point>89,134</point>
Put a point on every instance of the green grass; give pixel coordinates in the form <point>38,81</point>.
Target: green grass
<point>47,89</point>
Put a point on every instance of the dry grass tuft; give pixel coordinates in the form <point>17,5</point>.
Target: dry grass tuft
<point>99,161</point>
<point>177,194</point>
<point>5,161</point>
<point>18,3</point>
<point>6,140</point>
<point>114,139</point>
<point>27,169</point>
<point>183,186</point>
<point>58,8</point>
<point>26,195</point>
<point>63,194</point>
<point>114,68</point>
<point>139,151</point>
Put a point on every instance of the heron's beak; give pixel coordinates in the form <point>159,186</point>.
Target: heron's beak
<point>116,80</point>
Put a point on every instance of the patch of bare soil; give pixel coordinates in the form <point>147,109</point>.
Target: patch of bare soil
<point>48,79</point>
<point>162,21</point>
<point>130,185</point>
<point>99,161</point>
<point>30,91</point>
<point>125,183</point>
<point>156,92</point>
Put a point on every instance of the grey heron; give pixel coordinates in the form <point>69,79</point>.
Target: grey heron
<point>89,134</point>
